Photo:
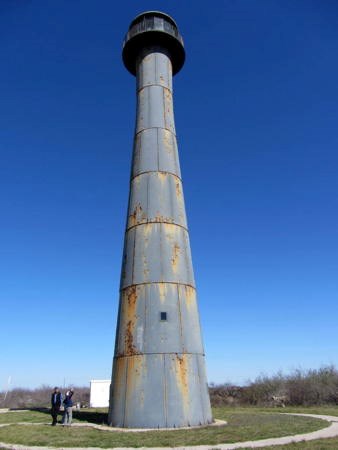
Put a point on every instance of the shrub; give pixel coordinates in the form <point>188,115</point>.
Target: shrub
<point>39,397</point>
<point>301,387</point>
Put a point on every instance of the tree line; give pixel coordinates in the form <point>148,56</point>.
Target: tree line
<point>18,398</point>
<point>299,388</point>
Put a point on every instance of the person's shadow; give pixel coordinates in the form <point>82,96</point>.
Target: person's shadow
<point>97,417</point>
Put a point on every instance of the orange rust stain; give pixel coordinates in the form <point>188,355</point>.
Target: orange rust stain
<point>145,267</point>
<point>167,141</point>
<point>134,376</point>
<point>119,371</point>
<point>129,340</point>
<point>132,297</point>
<point>181,367</point>
<point>178,189</point>
<point>168,94</point>
<point>132,218</point>
<point>147,228</point>
<point>159,218</point>
<point>182,370</point>
<point>130,318</point>
<point>162,289</point>
<point>190,295</point>
<point>170,231</point>
<point>168,106</point>
<point>137,215</point>
<point>175,256</point>
<point>162,176</point>
<point>135,363</point>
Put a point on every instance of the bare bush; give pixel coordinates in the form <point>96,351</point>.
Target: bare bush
<point>225,394</point>
<point>301,387</point>
<point>311,387</point>
<point>314,387</point>
<point>39,397</point>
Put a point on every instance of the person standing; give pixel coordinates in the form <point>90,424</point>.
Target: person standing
<point>68,412</point>
<point>55,400</point>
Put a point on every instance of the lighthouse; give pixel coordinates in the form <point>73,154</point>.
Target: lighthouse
<point>159,377</point>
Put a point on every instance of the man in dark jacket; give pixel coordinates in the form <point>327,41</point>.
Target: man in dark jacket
<point>56,401</point>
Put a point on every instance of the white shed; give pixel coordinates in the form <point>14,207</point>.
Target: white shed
<point>99,393</point>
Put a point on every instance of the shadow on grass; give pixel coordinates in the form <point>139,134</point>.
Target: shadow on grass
<point>32,408</point>
<point>83,415</point>
<point>99,418</point>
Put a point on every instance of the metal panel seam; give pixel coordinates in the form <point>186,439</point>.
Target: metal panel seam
<point>156,221</point>
<point>152,128</point>
<point>165,172</point>
<point>157,282</point>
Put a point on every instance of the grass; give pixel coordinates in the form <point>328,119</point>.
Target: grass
<point>243,424</point>
<point>97,416</point>
<point>24,416</point>
<point>320,444</point>
<point>327,410</point>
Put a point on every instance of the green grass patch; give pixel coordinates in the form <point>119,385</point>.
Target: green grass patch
<point>24,416</point>
<point>320,444</point>
<point>243,424</point>
<point>327,410</point>
<point>97,416</point>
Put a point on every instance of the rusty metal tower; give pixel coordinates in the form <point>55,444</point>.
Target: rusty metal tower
<point>159,378</point>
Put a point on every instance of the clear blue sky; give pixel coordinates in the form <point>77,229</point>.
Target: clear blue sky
<point>256,110</point>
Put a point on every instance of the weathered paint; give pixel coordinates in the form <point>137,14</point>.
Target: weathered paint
<point>159,375</point>
<point>156,197</point>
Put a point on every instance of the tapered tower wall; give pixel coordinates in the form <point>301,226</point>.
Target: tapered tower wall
<point>159,377</point>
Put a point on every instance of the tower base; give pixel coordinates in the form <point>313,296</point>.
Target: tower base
<point>159,391</point>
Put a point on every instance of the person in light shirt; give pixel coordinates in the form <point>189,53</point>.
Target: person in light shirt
<point>68,412</point>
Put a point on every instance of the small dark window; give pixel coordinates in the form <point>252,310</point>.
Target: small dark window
<point>163,316</point>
